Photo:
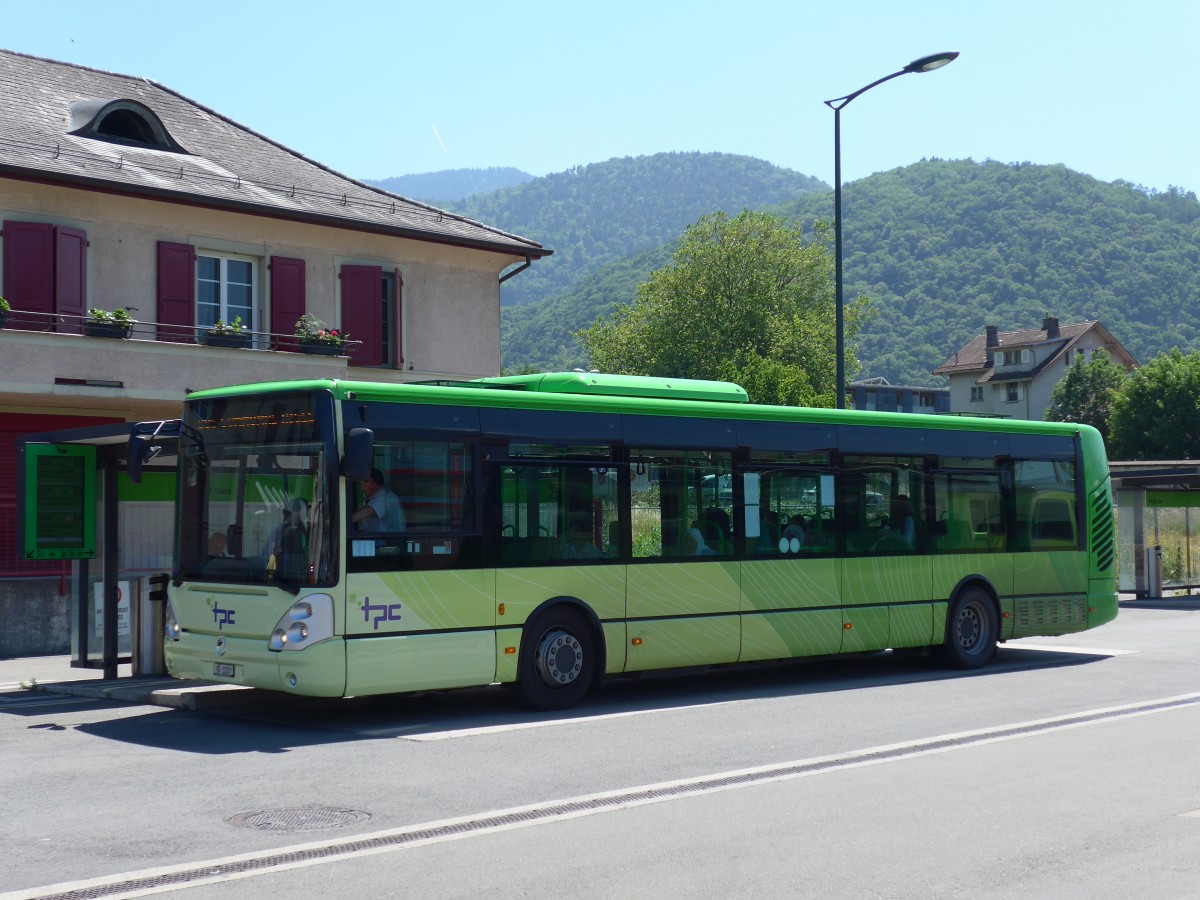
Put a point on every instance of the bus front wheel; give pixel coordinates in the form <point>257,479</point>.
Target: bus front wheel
<point>558,660</point>
<point>971,630</point>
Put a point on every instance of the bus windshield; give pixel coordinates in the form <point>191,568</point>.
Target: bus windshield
<point>257,490</point>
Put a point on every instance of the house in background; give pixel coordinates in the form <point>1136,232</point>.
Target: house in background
<point>117,192</point>
<point>1012,373</point>
<point>877,393</point>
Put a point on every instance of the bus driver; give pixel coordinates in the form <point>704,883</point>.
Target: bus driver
<point>382,510</point>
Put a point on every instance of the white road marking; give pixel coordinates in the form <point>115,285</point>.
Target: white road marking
<point>1067,648</point>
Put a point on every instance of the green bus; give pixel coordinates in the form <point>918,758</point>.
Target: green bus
<point>339,538</point>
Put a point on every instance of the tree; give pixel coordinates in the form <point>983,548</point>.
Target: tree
<point>743,299</point>
<point>1086,393</point>
<point>1157,415</point>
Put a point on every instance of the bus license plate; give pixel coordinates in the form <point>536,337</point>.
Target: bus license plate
<point>225,669</point>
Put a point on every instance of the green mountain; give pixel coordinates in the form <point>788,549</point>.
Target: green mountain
<point>944,248</point>
<point>600,213</point>
<point>451,185</point>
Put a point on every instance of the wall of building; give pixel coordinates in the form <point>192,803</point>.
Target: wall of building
<point>36,617</point>
<point>451,294</point>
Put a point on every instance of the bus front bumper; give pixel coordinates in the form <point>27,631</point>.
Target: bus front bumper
<point>316,671</point>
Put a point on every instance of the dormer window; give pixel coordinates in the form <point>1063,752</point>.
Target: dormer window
<point>125,122</point>
<point>1017,357</point>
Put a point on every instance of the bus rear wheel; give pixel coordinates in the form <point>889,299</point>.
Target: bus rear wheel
<point>558,660</point>
<point>971,630</point>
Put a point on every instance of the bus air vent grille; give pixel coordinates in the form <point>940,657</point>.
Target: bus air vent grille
<point>1050,613</point>
<point>1104,546</point>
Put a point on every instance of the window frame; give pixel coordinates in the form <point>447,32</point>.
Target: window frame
<point>223,283</point>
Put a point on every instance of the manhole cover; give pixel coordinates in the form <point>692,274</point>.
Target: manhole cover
<point>305,818</point>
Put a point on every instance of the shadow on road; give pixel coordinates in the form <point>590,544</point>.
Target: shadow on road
<point>298,722</point>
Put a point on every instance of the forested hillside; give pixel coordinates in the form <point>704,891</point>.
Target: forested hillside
<point>450,185</point>
<point>538,334</point>
<point>945,248</point>
<point>596,214</point>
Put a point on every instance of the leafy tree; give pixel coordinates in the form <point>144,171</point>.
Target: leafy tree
<point>1157,415</point>
<point>1086,393</point>
<point>744,299</point>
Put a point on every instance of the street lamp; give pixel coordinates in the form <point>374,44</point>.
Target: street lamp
<point>924,64</point>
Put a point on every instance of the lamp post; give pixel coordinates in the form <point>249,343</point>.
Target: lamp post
<point>924,64</point>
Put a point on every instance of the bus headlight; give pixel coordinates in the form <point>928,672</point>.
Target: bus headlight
<point>171,628</point>
<point>308,622</point>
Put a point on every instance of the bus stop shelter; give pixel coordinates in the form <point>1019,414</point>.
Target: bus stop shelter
<point>1158,509</point>
<point>69,499</point>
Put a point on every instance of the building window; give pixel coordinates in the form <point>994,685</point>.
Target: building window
<point>1014,392</point>
<point>977,394</point>
<point>225,290</point>
<point>389,329</point>
<point>1017,357</point>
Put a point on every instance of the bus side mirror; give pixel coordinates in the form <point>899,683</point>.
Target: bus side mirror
<point>138,445</point>
<point>359,455</point>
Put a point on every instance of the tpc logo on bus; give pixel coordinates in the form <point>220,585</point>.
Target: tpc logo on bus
<point>223,617</point>
<point>384,612</point>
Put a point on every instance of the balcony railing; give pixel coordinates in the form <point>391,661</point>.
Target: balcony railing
<point>137,329</point>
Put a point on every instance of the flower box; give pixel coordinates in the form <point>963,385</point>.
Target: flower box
<point>320,348</point>
<point>107,329</point>
<point>213,339</point>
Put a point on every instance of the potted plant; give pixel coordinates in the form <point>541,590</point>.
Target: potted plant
<point>226,334</point>
<point>317,337</point>
<point>4,310</point>
<point>116,323</point>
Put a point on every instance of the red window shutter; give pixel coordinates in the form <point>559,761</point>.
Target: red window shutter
<point>287,298</point>
<point>70,278</point>
<point>398,318</point>
<point>29,273</point>
<point>362,300</point>
<point>176,292</point>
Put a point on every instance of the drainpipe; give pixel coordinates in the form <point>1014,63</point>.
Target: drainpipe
<point>518,270</point>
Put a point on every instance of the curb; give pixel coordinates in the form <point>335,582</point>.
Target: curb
<point>168,692</point>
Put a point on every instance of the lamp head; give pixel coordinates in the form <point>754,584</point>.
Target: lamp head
<point>931,62</point>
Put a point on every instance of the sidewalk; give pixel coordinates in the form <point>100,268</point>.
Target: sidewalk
<point>54,675</point>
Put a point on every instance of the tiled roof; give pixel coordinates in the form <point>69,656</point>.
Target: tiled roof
<point>226,165</point>
<point>972,356</point>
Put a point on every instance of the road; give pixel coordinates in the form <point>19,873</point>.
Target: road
<point>1068,768</point>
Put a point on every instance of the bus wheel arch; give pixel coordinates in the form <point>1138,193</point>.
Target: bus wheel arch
<point>972,625</point>
<point>562,655</point>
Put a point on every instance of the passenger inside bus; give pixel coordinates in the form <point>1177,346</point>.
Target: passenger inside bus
<point>579,542</point>
<point>697,546</point>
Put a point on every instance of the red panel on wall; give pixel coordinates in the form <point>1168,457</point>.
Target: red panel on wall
<point>362,306</point>
<point>287,298</point>
<point>176,292</point>
<point>29,273</point>
<point>70,278</point>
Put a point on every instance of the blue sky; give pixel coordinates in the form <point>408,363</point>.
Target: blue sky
<point>375,89</point>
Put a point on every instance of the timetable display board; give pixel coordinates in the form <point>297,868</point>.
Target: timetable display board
<point>60,501</point>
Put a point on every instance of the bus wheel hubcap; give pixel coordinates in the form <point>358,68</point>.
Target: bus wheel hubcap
<point>559,658</point>
<point>970,628</point>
